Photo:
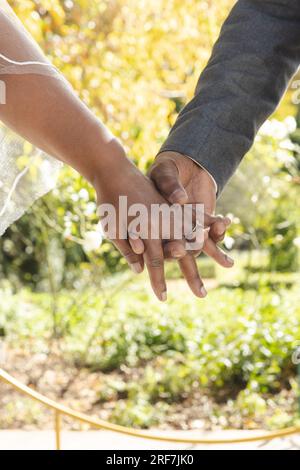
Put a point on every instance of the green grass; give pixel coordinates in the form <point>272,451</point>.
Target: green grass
<point>237,343</point>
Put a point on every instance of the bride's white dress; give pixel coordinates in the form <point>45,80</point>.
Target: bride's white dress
<point>26,173</point>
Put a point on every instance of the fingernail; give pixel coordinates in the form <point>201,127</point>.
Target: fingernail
<point>133,236</point>
<point>203,292</point>
<point>136,268</point>
<point>230,260</point>
<point>177,254</point>
<point>163,296</point>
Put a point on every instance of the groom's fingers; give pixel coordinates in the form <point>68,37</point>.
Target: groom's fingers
<point>165,176</point>
<point>214,252</point>
<point>218,229</point>
<point>135,261</point>
<point>189,269</point>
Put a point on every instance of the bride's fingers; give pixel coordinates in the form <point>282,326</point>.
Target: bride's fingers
<point>214,252</point>
<point>189,270</point>
<point>134,260</point>
<point>136,244</point>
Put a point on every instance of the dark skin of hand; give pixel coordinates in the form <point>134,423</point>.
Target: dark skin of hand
<point>180,180</point>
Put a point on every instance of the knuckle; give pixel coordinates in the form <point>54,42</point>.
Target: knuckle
<point>155,172</point>
<point>156,262</point>
<point>130,257</point>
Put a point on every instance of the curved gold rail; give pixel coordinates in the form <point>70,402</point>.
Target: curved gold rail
<point>60,410</point>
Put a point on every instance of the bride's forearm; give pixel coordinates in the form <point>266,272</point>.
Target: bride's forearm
<point>46,111</point>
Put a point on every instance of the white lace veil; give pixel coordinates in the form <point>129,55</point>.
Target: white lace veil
<point>26,173</point>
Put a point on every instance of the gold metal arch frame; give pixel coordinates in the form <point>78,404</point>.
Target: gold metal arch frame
<point>61,410</point>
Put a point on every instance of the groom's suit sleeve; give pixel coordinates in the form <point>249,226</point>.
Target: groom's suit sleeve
<point>257,53</point>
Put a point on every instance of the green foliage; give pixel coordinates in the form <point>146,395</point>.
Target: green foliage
<point>138,413</point>
<point>164,354</point>
<point>283,251</point>
<point>267,182</point>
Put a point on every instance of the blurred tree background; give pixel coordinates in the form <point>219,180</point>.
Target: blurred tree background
<point>76,310</point>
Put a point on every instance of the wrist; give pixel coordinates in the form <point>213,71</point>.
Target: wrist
<point>209,179</point>
<point>109,166</point>
<point>99,156</point>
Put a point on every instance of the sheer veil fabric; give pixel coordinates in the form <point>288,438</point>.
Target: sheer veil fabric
<point>26,172</point>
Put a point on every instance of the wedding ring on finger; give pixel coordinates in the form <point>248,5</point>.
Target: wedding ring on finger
<point>197,225</point>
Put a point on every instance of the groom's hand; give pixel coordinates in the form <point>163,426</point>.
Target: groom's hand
<point>180,180</point>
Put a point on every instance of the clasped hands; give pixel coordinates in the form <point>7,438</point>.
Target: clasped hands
<point>173,178</point>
